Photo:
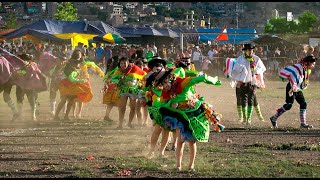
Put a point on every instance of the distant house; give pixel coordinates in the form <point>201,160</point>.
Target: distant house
<point>131,5</point>
<point>116,20</point>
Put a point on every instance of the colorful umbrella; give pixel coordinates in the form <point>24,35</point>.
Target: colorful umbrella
<point>110,38</point>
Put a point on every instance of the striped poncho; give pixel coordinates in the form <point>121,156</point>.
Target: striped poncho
<point>230,62</point>
<point>297,76</point>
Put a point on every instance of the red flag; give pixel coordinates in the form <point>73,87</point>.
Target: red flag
<point>223,36</point>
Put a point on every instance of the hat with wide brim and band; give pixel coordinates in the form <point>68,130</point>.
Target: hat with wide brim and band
<point>26,57</point>
<point>183,62</point>
<point>248,46</point>
<point>310,59</point>
<point>159,78</point>
<point>152,78</point>
<point>155,60</point>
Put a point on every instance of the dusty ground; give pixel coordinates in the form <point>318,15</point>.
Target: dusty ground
<point>91,147</point>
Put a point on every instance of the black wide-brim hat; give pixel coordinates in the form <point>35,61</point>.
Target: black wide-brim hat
<point>162,76</point>
<point>155,60</point>
<point>248,46</point>
<point>310,58</point>
<point>26,57</point>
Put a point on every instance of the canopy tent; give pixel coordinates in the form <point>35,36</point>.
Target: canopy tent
<point>104,28</point>
<point>272,40</point>
<point>235,35</point>
<point>148,35</point>
<point>75,31</point>
<point>109,38</point>
<point>168,32</point>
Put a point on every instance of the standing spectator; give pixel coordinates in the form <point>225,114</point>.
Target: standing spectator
<point>205,65</point>
<point>212,53</point>
<point>91,54</point>
<point>81,48</point>
<point>154,49</point>
<point>69,52</point>
<point>124,52</point>
<point>197,58</point>
<point>99,55</point>
<point>107,53</point>
<point>132,50</point>
<point>163,52</point>
<point>274,63</point>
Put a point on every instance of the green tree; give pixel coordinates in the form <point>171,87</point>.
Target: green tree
<point>93,10</point>
<point>11,21</point>
<point>277,25</point>
<point>102,15</point>
<point>306,22</point>
<point>66,12</point>
<point>162,11</point>
<point>178,13</point>
<point>268,28</point>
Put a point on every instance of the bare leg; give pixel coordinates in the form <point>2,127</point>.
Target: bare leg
<point>193,153</point>
<point>164,141</point>
<point>154,138</point>
<point>80,106</point>
<point>122,109</point>
<point>61,104</point>
<point>74,108</point>
<point>108,110</point>
<point>132,113</point>
<point>20,96</point>
<point>6,88</point>
<point>52,96</point>
<point>174,138</point>
<point>145,115</point>
<point>65,106</point>
<point>69,106</point>
<point>179,151</point>
<point>32,101</point>
<point>138,112</point>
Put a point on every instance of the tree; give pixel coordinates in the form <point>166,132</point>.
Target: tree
<point>102,16</point>
<point>11,21</point>
<point>66,12</point>
<point>277,25</point>
<point>178,13</point>
<point>307,22</point>
<point>162,11</point>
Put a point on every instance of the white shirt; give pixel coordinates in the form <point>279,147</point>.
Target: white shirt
<point>212,54</point>
<point>241,71</point>
<point>196,56</point>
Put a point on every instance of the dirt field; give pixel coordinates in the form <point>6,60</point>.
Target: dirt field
<point>90,147</point>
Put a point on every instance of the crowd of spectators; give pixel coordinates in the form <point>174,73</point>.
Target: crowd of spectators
<point>206,57</point>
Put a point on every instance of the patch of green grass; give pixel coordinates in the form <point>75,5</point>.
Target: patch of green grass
<point>253,166</point>
<point>256,151</point>
<point>83,172</point>
<point>211,149</point>
<point>289,146</point>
